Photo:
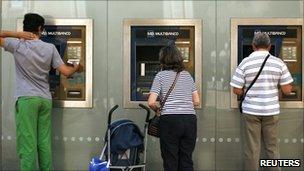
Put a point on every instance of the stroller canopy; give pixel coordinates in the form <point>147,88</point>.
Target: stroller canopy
<point>125,134</point>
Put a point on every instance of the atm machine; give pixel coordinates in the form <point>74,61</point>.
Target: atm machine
<point>73,40</point>
<point>143,40</point>
<point>286,43</point>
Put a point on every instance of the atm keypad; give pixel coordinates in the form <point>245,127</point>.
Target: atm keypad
<point>185,53</point>
<point>289,53</point>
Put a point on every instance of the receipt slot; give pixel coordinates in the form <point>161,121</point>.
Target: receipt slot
<point>143,40</point>
<point>73,40</point>
<point>286,43</point>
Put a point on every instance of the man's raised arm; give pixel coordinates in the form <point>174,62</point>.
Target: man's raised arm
<point>12,34</point>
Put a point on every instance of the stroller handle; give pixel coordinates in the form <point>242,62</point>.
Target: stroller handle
<point>110,114</point>
<point>148,111</point>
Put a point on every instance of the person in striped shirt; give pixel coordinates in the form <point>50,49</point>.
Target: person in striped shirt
<point>178,122</point>
<point>261,104</point>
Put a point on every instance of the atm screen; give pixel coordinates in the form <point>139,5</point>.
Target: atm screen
<point>148,61</point>
<point>150,53</point>
<point>247,50</point>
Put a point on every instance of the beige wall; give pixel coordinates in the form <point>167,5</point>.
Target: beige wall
<point>1,88</point>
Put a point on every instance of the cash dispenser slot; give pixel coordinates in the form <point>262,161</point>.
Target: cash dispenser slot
<point>294,95</point>
<point>74,94</point>
<point>291,96</point>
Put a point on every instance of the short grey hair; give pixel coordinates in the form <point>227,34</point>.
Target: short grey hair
<point>261,40</point>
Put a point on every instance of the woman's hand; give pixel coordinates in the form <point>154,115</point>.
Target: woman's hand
<point>195,99</point>
<point>157,112</point>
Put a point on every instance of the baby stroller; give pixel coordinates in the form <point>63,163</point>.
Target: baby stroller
<point>124,143</point>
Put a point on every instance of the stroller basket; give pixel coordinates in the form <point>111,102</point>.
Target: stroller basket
<point>128,158</point>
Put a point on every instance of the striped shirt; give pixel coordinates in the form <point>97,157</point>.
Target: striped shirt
<point>262,98</point>
<point>180,99</point>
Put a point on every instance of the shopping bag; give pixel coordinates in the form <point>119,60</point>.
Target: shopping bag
<point>97,164</point>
